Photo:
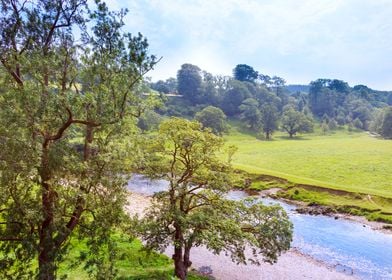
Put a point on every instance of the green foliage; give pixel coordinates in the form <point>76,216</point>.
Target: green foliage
<point>375,125</point>
<point>335,98</point>
<point>350,127</point>
<point>324,128</point>
<point>382,122</point>
<point>332,124</point>
<point>294,122</point>
<point>149,120</point>
<point>194,212</point>
<point>213,118</point>
<point>167,86</point>
<point>189,82</point>
<point>269,120</point>
<point>389,101</point>
<point>234,97</point>
<point>67,121</point>
<point>133,262</point>
<point>358,124</point>
<point>245,73</point>
<point>386,126</point>
<point>250,113</point>
<point>321,100</point>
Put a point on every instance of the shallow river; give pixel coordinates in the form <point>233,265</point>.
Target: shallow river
<point>347,246</point>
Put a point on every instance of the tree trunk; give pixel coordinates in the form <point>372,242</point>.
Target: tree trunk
<point>46,263</point>
<point>180,269</point>
<point>267,135</point>
<point>47,251</point>
<point>187,261</point>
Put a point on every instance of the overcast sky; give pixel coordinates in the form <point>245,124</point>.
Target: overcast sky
<point>299,40</point>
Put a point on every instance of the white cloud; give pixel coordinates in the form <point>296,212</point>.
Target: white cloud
<point>301,39</point>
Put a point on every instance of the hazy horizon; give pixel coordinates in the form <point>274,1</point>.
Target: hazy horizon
<point>297,40</point>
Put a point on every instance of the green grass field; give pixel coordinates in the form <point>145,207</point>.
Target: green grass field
<point>133,263</point>
<point>354,162</point>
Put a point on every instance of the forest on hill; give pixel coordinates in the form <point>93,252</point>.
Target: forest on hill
<point>265,103</point>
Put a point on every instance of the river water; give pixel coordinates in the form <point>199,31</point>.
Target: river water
<point>347,246</point>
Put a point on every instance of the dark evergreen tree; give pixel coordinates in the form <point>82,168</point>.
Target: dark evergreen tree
<point>243,72</point>
<point>189,82</point>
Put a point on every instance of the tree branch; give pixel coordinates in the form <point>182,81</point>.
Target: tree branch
<point>16,77</point>
<point>10,239</point>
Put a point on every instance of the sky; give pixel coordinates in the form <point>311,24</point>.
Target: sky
<point>299,40</point>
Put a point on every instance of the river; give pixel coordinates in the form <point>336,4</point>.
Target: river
<point>347,246</point>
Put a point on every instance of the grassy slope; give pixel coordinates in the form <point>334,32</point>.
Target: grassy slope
<point>134,264</point>
<point>353,162</point>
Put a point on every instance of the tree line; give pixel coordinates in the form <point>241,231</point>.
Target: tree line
<point>263,102</point>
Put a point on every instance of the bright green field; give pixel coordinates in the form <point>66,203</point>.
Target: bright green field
<point>347,161</point>
<point>133,263</point>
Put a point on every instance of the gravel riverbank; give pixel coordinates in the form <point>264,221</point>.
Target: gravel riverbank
<point>291,265</point>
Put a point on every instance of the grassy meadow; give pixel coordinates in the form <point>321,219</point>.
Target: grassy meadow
<point>133,264</point>
<point>342,160</point>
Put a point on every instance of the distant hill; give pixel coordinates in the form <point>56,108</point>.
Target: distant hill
<point>296,88</point>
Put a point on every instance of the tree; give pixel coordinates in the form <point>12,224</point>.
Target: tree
<point>245,73</point>
<point>234,97</point>
<point>322,101</point>
<point>66,113</point>
<point>264,95</point>
<point>340,118</point>
<point>294,122</point>
<point>250,113</point>
<point>265,80</point>
<point>339,86</point>
<point>189,82</point>
<point>350,127</point>
<point>324,128</point>
<point>277,83</point>
<point>213,118</point>
<point>167,86</point>
<point>209,91</point>
<point>149,120</point>
<point>269,119</point>
<point>194,211</point>
<point>358,124</point>
<point>386,126</point>
<point>332,124</point>
<point>375,125</point>
<point>389,100</point>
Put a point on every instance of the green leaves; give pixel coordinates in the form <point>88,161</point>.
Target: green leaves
<point>194,211</point>
<point>294,122</point>
<point>67,128</point>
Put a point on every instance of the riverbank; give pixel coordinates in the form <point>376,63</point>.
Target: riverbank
<point>374,211</point>
<point>291,265</point>
<point>314,209</point>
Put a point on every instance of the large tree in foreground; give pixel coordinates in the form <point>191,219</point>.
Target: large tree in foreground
<point>194,211</point>
<point>67,108</point>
